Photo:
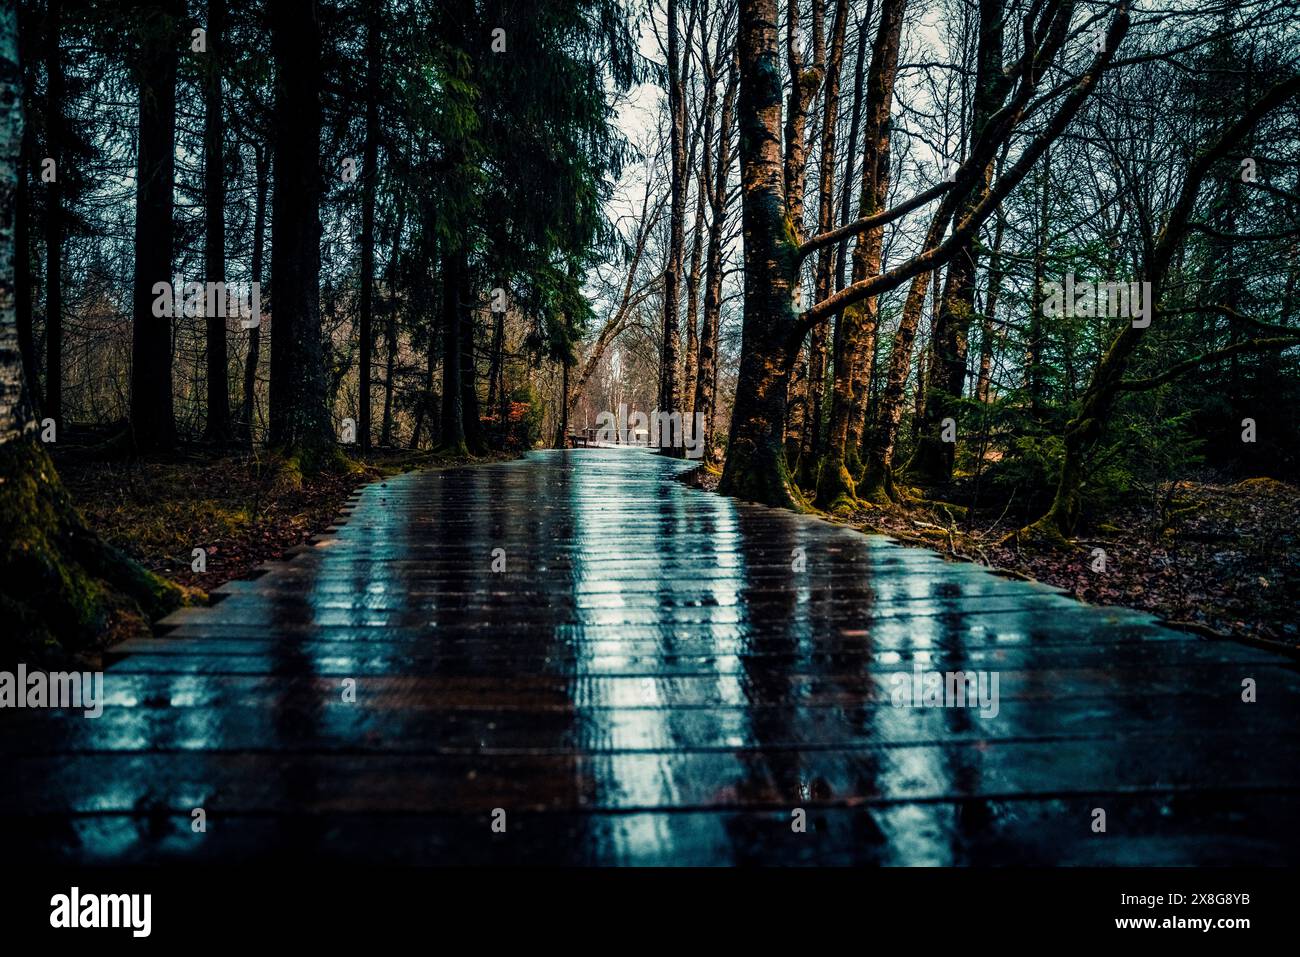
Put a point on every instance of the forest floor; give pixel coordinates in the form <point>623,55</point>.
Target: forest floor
<point>234,505</point>
<point>1225,564</point>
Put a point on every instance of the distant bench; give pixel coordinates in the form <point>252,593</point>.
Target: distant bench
<point>588,438</point>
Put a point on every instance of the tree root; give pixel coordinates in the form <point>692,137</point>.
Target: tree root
<point>836,492</point>
<point>1042,534</point>
<point>63,590</point>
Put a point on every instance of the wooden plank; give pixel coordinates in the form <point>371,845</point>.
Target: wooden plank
<point>400,723</point>
<point>658,676</point>
<point>771,778</point>
<point>1233,828</point>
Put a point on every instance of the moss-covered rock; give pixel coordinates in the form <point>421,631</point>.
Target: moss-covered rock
<point>1265,484</point>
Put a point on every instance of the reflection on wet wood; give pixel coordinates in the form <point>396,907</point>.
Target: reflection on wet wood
<point>638,672</point>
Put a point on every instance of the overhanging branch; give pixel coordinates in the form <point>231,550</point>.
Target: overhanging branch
<point>1187,365</point>
<point>878,219</point>
<point>929,259</point>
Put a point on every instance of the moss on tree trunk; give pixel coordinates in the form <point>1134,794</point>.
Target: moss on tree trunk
<point>876,486</point>
<point>836,490</point>
<point>758,472</point>
<point>62,588</point>
<point>1056,527</point>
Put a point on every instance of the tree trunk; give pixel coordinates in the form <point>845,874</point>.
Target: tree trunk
<point>989,319</point>
<point>390,330</point>
<point>755,466</point>
<point>422,304</point>
<point>817,357</point>
<point>59,583</point>
<point>797,405</point>
<point>503,393</point>
<point>151,345</point>
<point>803,87</point>
<point>562,433</point>
<point>496,370</point>
<point>851,153</point>
<point>694,273</point>
<point>16,418</point>
<point>933,463</point>
<point>452,437</point>
<point>253,358</point>
<point>22,256</point>
<point>53,406</point>
<point>299,420</point>
<point>214,203</point>
<point>877,485</point>
<point>841,248</point>
<point>1034,377</point>
<point>370,175</point>
<point>924,356</point>
<point>669,383</point>
<point>706,383</point>
<point>857,326</point>
<point>470,420</point>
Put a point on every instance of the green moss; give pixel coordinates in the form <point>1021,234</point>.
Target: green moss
<point>949,510</point>
<point>760,474</point>
<point>288,472</point>
<point>309,459</point>
<point>789,235</point>
<point>452,450</point>
<point>322,459</point>
<point>167,524</point>
<point>1042,534</point>
<point>60,583</point>
<point>835,488</point>
<point>876,487</point>
<point>1265,484</point>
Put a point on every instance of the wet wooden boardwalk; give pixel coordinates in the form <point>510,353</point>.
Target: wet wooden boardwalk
<point>654,676</point>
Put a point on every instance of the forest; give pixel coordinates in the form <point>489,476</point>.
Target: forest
<point>1017,280</point>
